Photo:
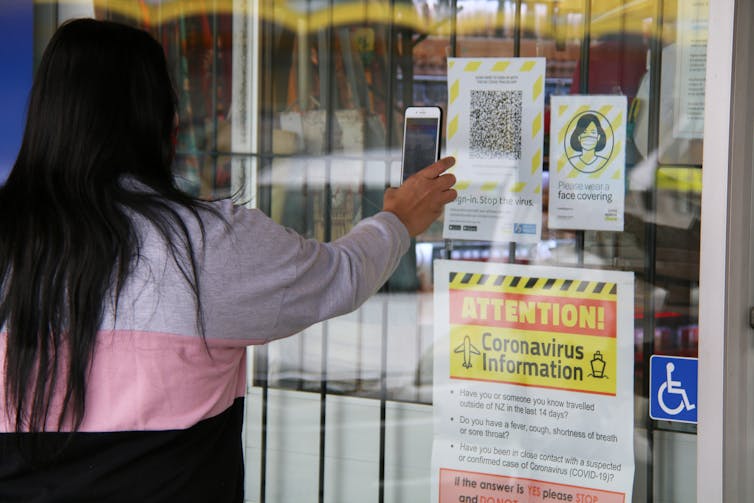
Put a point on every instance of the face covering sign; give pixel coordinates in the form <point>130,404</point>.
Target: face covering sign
<point>533,384</point>
<point>587,162</point>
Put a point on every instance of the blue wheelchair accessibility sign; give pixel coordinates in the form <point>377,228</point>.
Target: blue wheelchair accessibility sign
<point>673,388</point>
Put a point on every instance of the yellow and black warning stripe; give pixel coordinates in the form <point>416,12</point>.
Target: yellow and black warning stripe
<point>533,286</point>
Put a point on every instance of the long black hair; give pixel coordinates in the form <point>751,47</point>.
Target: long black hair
<point>97,149</point>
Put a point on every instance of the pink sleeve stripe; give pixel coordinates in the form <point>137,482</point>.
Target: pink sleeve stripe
<point>151,381</point>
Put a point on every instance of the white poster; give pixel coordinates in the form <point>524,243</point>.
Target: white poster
<point>533,384</point>
<point>495,132</point>
<point>690,83</point>
<point>587,162</point>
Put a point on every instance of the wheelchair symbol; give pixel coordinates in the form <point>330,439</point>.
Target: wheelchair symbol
<point>672,387</point>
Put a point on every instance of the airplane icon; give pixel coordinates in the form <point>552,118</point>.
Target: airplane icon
<point>467,349</point>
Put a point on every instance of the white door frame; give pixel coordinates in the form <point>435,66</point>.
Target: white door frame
<point>726,285</point>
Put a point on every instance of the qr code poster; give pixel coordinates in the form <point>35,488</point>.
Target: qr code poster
<point>587,162</point>
<point>495,132</point>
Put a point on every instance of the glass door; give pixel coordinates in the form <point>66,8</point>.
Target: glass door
<point>726,410</point>
<point>300,104</point>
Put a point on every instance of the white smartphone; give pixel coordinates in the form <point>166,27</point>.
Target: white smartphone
<point>422,127</point>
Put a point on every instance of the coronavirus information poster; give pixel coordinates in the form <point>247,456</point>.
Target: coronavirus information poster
<point>495,131</point>
<point>533,384</point>
<point>587,162</point>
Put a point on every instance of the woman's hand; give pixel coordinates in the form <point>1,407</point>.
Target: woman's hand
<point>422,197</point>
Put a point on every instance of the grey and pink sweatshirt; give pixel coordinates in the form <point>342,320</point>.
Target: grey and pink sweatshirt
<point>164,410</point>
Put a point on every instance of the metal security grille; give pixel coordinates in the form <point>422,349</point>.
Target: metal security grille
<point>399,87</point>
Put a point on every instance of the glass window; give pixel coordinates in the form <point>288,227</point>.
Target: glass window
<point>297,107</point>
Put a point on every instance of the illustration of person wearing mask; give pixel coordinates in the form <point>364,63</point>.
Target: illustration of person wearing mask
<point>588,139</point>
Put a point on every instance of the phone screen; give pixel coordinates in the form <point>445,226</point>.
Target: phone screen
<point>419,144</point>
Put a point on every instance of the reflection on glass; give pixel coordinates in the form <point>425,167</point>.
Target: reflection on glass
<point>326,88</point>
<point>335,79</point>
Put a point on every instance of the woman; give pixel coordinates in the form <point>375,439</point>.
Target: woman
<point>588,139</point>
<point>126,306</point>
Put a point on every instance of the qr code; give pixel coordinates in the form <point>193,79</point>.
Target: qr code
<point>496,125</point>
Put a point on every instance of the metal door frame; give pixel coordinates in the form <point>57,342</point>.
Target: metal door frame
<point>726,287</point>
